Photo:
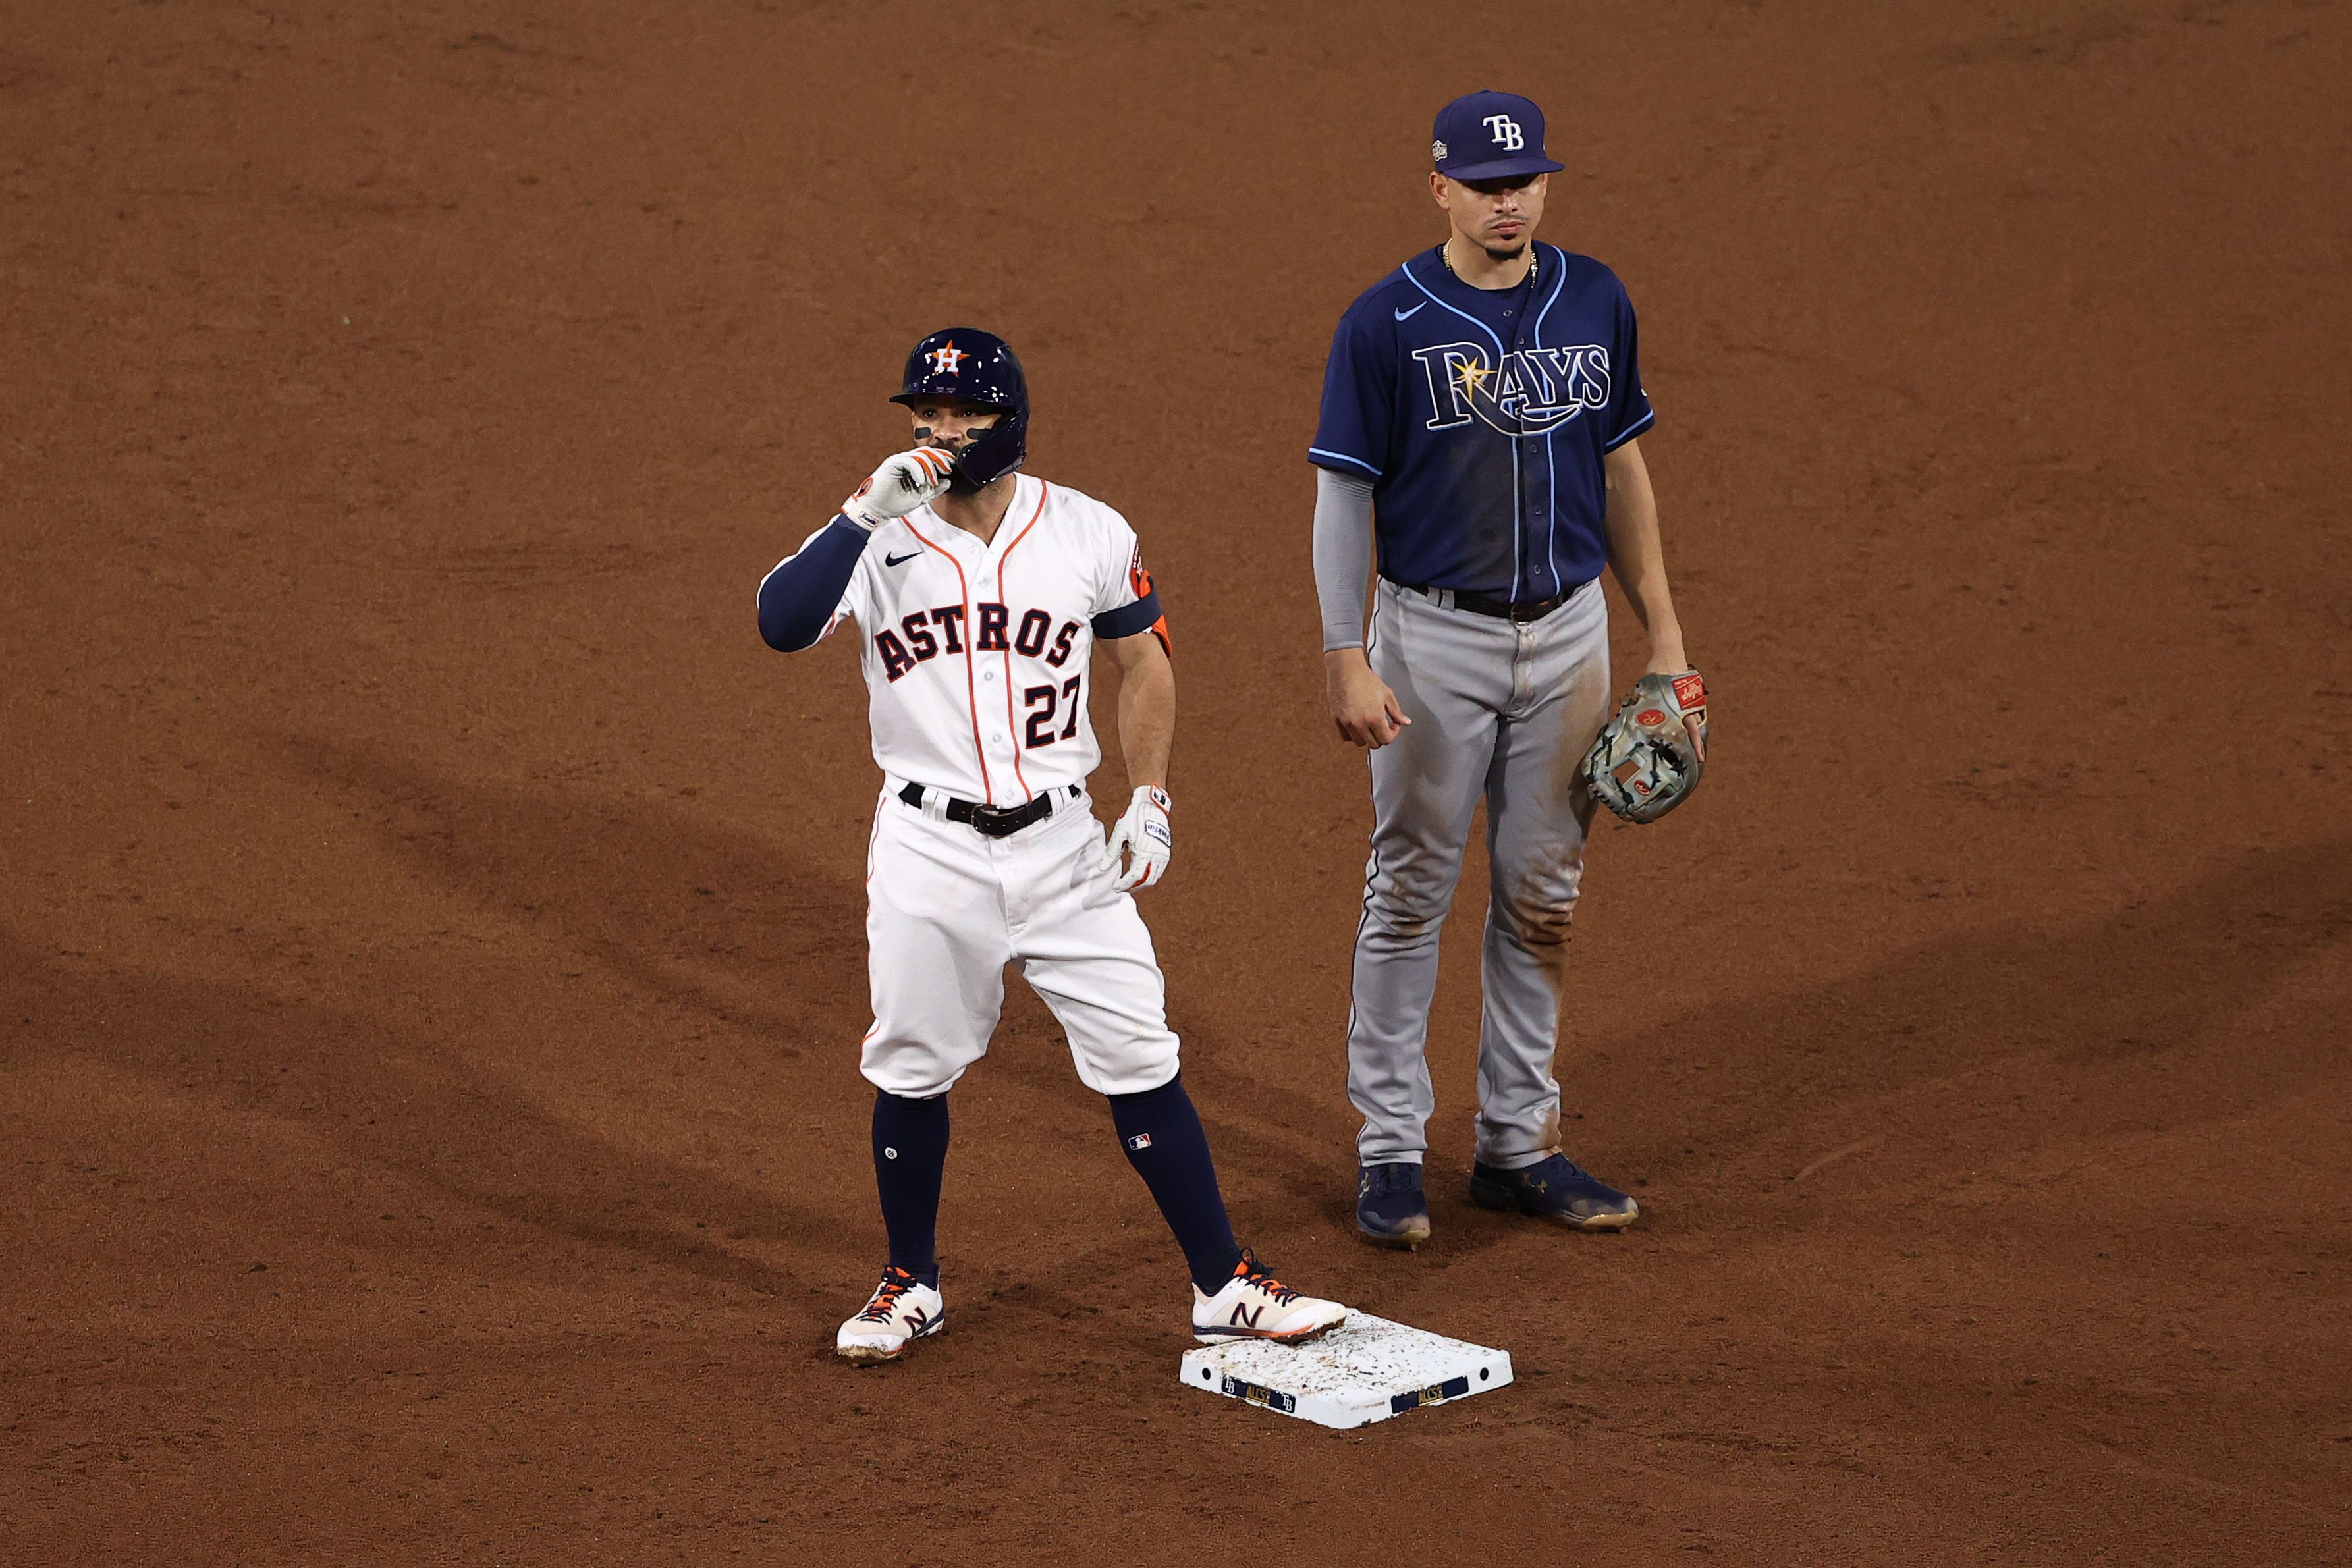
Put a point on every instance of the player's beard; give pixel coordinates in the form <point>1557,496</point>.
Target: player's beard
<point>1512,254</point>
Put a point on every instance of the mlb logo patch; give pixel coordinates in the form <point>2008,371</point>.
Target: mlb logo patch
<point>1140,1141</point>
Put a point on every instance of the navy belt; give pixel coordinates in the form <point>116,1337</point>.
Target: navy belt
<point>994,822</point>
<point>1499,609</point>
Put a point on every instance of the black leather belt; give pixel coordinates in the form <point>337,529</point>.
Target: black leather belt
<point>995,821</point>
<point>1502,609</point>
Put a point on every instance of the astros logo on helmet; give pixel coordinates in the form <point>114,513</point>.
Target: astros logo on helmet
<point>935,368</point>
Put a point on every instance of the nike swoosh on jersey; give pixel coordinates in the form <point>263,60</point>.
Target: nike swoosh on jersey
<point>1414,311</point>
<point>900,560</point>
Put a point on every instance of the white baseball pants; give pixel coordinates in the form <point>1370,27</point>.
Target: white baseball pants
<point>947,907</point>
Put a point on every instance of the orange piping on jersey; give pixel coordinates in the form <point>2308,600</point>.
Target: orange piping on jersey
<point>1011,728</point>
<point>971,634</point>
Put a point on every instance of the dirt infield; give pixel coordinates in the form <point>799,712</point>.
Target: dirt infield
<point>431,961</point>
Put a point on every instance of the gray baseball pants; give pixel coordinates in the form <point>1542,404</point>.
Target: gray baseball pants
<point>1506,711</point>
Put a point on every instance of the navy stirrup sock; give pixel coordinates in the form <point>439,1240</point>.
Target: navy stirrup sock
<point>910,1155</point>
<point>1162,1136</point>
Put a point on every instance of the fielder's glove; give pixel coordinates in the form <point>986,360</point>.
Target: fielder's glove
<point>1144,834</point>
<point>903,483</point>
<point>1648,758</point>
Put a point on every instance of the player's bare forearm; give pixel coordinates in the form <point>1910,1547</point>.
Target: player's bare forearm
<point>1637,557</point>
<point>1147,708</point>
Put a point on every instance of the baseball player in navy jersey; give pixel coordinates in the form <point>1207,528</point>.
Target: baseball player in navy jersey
<point>1478,442</point>
<point>979,594</point>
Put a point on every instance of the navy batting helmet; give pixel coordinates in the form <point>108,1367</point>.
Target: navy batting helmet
<point>978,366</point>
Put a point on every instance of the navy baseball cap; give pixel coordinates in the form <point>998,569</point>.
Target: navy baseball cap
<point>1489,136</point>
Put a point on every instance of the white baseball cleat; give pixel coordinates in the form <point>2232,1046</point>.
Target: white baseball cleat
<point>903,1310</point>
<point>1253,1304</point>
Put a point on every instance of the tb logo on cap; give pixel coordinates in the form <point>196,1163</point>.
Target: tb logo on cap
<point>1505,132</point>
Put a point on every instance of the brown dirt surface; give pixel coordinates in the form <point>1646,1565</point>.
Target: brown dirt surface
<point>431,965</point>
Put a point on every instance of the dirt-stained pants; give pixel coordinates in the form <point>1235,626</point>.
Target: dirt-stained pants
<point>1505,711</point>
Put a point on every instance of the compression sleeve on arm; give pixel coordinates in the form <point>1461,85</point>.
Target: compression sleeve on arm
<point>799,597</point>
<point>1343,555</point>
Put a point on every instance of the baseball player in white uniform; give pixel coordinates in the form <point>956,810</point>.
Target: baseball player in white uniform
<point>979,593</point>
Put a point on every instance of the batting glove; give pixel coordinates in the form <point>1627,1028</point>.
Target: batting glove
<point>1145,837</point>
<point>903,483</point>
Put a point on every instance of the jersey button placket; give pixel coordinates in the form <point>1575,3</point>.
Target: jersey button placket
<point>984,587</point>
<point>1538,532</point>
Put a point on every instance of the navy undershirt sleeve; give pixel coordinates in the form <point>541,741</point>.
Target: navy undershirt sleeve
<point>800,596</point>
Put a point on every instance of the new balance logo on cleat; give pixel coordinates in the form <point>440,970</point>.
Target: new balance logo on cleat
<point>902,1311</point>
<point>1253,1304</point>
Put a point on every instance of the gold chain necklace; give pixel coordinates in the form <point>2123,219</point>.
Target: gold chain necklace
<point>1535,262</point>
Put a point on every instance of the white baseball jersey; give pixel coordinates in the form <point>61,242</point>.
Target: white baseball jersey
<point>976,655</point>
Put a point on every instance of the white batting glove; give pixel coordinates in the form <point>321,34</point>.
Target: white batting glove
<point>1145,837</point>
<point>903,483</point>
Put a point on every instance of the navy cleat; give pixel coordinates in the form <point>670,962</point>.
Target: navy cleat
<point>1556,1189</point>
<point>1389,1207</point>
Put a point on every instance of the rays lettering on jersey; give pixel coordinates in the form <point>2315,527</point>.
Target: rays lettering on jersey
<point>1531,392</point>
<point>926,634</point>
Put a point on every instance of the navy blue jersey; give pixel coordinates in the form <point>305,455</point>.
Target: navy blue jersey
<point>1481,417</point>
